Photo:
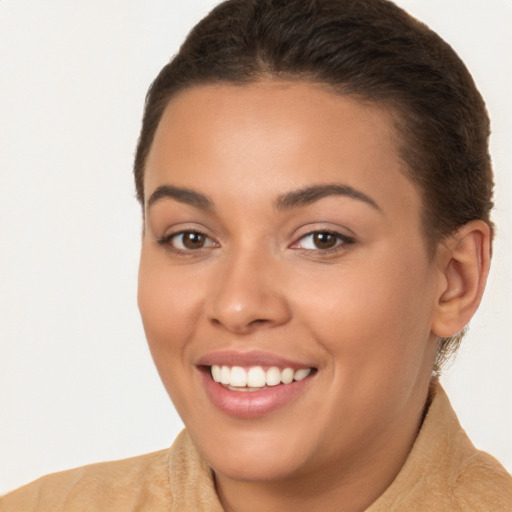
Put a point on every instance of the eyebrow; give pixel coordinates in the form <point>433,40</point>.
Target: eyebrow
<point>293,199</point>
<point>309,195</point>
<point>182,195</point>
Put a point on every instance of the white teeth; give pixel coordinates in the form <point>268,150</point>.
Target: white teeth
<point>238,377</point>
<point>216,371</point>
<point>301,374</point>
<point>273,376</point>
<point>287,376</point>
<point>225,375</point>
<point>255,377</point>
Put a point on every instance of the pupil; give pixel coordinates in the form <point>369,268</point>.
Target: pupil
<point>324,240</point>
<point>193,240</point>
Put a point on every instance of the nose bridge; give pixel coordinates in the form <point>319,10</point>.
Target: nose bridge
<point>247,292</point>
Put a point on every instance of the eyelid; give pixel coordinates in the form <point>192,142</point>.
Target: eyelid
<point>342,241</point>
<point>167,238</point>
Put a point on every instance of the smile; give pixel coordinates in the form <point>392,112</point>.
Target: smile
<point>255,378</point>
<point>252,384</point>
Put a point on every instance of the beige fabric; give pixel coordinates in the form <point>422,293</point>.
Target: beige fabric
<point>443,472</point>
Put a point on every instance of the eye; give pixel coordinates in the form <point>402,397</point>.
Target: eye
<point>188,241</point>
<point>322,241</point>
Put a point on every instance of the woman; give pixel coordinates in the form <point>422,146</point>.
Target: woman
<point>316,190</point>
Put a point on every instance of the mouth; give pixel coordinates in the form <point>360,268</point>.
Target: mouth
<point>256,378</point>
<point>251,385</point>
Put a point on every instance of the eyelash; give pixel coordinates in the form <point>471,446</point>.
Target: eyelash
<point>166,241</point>
<point>342,241</point>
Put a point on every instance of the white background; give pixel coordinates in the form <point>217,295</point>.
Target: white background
<point>77,384</point>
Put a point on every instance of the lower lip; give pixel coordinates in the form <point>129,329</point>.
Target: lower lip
<point>251,404</point>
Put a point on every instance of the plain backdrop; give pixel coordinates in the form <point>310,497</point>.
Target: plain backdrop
<point>77,384</point>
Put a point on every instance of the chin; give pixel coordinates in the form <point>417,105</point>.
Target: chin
<point>267,468</point>
<point>251,457</point>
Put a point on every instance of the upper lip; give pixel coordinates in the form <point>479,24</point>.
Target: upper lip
<point>250,358</point>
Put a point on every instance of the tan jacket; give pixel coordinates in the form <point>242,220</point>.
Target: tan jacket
<point>444,472</point>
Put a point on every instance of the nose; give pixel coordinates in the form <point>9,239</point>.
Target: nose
<point>248,295</point>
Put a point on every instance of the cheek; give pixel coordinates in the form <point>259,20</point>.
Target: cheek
<point>167,304</point>
<point>374,321</point>
<point>374,311</point>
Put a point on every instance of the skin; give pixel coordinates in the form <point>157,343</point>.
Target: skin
<point>364,314</point>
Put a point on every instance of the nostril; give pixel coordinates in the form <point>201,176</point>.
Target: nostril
<point>240,326</point>
<point>259,321</point>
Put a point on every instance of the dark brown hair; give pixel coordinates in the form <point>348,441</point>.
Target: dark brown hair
<point>370,49</point>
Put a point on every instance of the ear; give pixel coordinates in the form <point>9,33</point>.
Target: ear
<point>463,260</point>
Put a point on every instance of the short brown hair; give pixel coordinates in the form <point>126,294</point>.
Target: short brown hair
<point>371,49</point>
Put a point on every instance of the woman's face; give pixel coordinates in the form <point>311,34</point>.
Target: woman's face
<point>282,240</point>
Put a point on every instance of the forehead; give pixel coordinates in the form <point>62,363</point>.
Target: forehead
<point>268,137</point>
<point>292,109</point>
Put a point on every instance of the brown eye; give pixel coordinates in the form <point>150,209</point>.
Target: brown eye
<point>324,240</point>
<point>192,240</point>
<point>188,241</point>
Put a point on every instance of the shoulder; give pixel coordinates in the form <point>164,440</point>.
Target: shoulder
<point>175,479</point>
<point>445,472</point>
<point>472,480</point>
<point>483,484</point>
<point>118,485</point>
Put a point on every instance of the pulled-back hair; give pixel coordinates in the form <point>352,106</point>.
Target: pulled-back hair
<point>369,49</point>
